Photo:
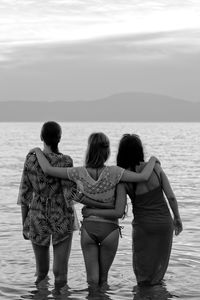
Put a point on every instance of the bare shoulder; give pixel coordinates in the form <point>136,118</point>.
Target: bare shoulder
<point>158,169</point>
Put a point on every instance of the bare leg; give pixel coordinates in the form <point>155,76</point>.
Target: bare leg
<point>42,261</point>
<point>91,257</point>
<point>61,253</point>
<point>108,251</point>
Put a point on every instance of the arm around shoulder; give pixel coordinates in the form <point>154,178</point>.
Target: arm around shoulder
<point>129,176</point>
<point>68,160</point>
<point>47,168</point>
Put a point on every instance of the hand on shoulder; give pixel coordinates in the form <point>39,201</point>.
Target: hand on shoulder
<point>158,167</point>
<point>35,150</point>
<point>155,159</point>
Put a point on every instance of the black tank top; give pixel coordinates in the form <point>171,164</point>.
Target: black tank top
<point>151,206</point>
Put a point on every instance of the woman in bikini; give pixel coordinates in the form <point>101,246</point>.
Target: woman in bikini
<point>99,235</point>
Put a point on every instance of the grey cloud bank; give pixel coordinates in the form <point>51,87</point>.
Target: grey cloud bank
<point>160,63</point>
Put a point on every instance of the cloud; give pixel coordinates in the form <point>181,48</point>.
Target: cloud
<point>89,49</point>
<point>23,21</point>
<point>164,63</point>
<point>136,47</point>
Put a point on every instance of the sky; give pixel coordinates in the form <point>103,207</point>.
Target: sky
<point>84,50</point>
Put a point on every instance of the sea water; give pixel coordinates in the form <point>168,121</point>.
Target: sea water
<point>177,145</point>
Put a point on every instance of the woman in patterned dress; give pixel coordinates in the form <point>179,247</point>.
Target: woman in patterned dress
<point>152,224</point>
<point>99,235</point>
<point>47,208</point>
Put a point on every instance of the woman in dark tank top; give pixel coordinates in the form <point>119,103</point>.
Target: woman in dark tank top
<point>148,201</point>
<point>152,224</point>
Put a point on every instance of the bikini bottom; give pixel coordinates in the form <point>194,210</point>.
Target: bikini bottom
<point>98,231</point>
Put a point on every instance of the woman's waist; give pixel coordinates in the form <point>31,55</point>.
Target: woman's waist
<point>152,218</point>
<point>151,213</point>
<point>100,219</point>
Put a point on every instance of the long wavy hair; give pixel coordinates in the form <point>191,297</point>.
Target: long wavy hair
<point>98,150</point>
<point>51,134</point>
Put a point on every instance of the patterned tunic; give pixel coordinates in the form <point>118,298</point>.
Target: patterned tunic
<point>51,212</point>
<point>102,189</point>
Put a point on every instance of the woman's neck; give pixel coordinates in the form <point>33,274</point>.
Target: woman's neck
<point>47,149</point>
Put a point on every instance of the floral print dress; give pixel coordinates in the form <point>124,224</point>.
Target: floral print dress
<point>51,213</point>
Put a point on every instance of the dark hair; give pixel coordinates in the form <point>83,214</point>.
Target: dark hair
<point>51,134</point>
<point>130,152</point>
<point>98,150</point>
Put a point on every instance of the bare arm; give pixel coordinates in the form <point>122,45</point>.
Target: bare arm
<point>79,197</point>
<point>47,168</point>
<point>116,212</point>
<point>93,203</point>
<point>68,186</point>
<point>129,176</point>
<point>171,199</point>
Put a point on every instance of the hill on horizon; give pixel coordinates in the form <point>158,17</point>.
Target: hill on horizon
<point>123,107</point>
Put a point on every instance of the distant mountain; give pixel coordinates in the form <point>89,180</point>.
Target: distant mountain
<point>130,107</point>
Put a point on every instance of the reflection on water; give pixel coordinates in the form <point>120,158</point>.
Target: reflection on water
<point>43,292</point>
<point>40,291</point>
<point>156,292</point>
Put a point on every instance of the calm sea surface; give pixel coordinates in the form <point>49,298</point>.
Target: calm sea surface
<point>177,145</point>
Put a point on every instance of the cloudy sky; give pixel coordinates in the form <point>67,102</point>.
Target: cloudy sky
<point>88,49</point>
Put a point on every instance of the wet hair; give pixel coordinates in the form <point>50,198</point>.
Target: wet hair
<point>51,135</point>
<point>130,152</point>
<point>98,150</point>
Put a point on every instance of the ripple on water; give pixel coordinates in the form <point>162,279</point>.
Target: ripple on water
<point>173,144</point>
